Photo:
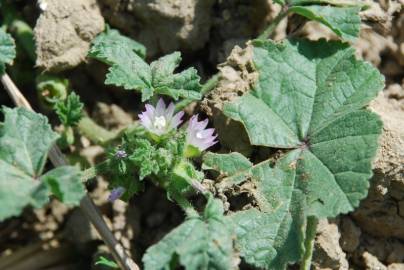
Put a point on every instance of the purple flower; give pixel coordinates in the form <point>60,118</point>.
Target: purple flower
<point>121,154</point>
<point>116,193</point>
<point>198,136</point>
<point>160,120</point>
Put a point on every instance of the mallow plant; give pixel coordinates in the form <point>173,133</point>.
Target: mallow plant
<point>308,102</point>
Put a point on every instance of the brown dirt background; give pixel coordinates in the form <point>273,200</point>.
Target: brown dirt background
<point>206,32</point>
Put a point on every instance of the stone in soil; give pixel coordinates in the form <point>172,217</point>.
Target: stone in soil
<point>64,31</point>
<point>327,251</point>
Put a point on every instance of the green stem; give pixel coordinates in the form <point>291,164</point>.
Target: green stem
<point>311,230</point>
<point>184,204</point>
<point>25,36</point>
<point>210,84</point>
<point>94,132</point>
<point>206,88</point>
<point>92,172</point>
<point>271,27</point>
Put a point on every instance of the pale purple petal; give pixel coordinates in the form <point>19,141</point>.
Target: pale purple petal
<point>121,154</point>
<point>193,121</point>
<point>209,139</point>
<point>176,121</point>
<point>170,110</point>
<point>116,193</point>
<point>145,120</point>
<point>203,124</point>
<point>161,107</point>
<point>149,110</point>
<point>207,145</point>
<point>207,132</point>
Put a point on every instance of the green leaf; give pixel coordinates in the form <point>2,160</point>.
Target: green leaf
<point>164,67</point>
<point>103,45</point>
<point>7,50</point>
<point>343,21</point>
<point>131,72</point>
<point>65,183</point>
<point>184,84</point>
<point>130,182</point>
<point>234,164</point>
<point>128,69</point>
<point>229,164</point>
<point>342,3</point>
<point>25,139</point>
<point>70,110</point>
<point>280,2</point>
<point>198,243</point>
<point>52,89</point>
<point>272,237</point>
<point>144,157</point>
<point>310,96</point>
<point>106,262</point>
<point>165,82</point>
<point>16,191</point>
<point>183,175</point>
<point>341,16</point>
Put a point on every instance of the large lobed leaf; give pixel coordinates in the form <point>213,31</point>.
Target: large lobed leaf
<point>131,72</point>
<point>25,139</point>
<point>198,243</point>
<point>310,96</point>
<point>7,50</point>
<point>272,237</point>
<point>309,99</point>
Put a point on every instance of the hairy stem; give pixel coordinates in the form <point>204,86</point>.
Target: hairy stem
<point>309,242</point>
<point>25,36</point>
<point>95,170</point>
<point>184,204</point>
<point>210,84</point>
<point>94,132</point>
<point>271,27</point>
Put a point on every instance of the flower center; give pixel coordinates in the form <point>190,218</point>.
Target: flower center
<point>199,135</point>
<point>160,122</point>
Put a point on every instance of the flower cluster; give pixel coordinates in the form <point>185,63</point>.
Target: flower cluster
<point>160,120</point>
